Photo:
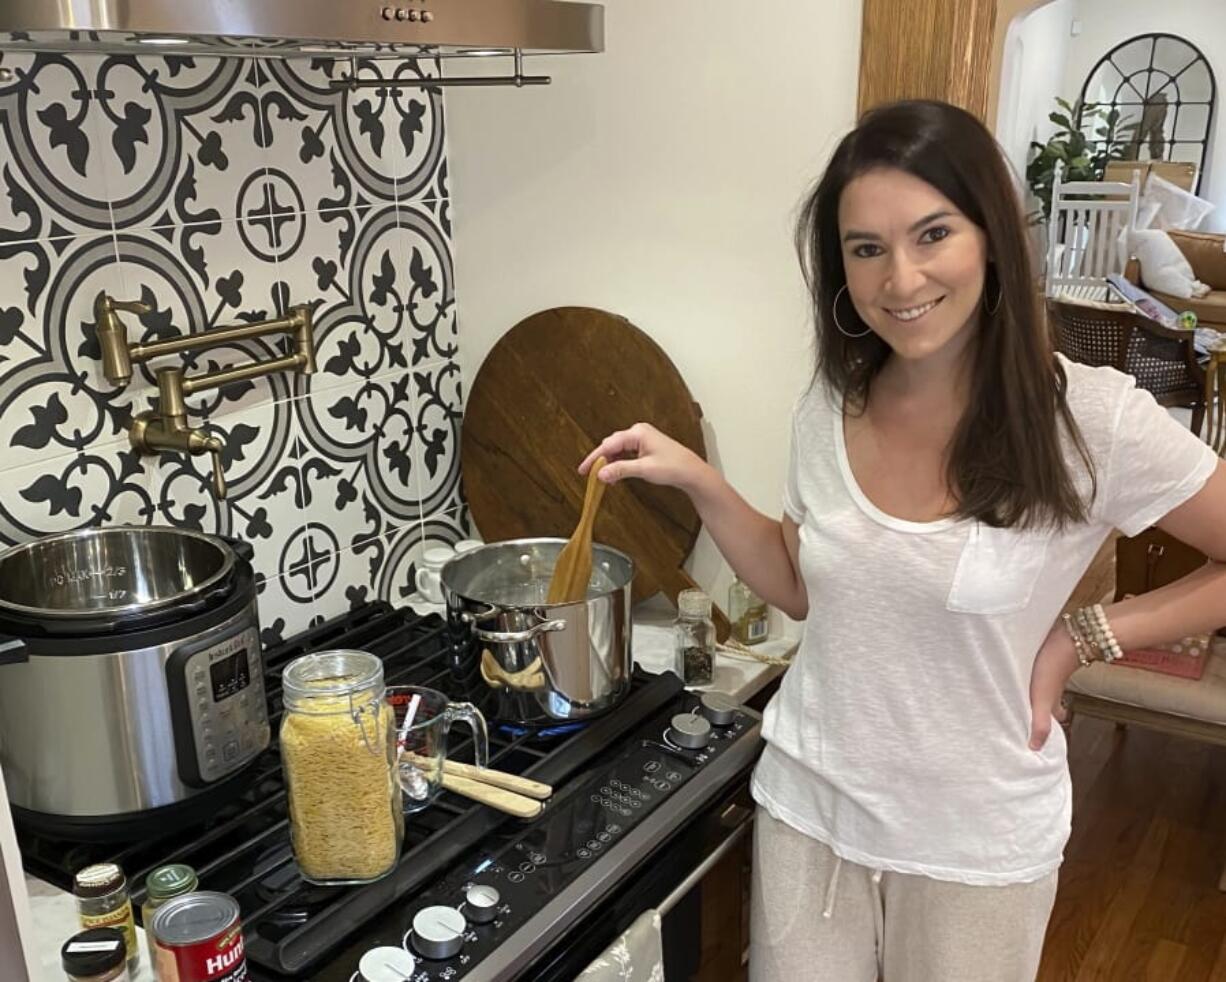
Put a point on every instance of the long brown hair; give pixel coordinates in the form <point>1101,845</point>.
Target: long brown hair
<point>1005,464</point>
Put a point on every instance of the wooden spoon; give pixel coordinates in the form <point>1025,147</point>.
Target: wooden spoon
<point>574,566</point>
<point>505,801</point>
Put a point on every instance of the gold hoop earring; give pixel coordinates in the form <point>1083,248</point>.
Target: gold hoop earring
<point>834,314</point>
<point>1000,295</point>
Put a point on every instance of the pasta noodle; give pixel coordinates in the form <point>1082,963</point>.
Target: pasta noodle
<point>344,799</point>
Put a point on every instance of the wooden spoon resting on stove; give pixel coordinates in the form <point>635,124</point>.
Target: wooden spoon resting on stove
<point>574,566</point>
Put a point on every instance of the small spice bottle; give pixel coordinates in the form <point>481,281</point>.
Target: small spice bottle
<point>96,955</point>
<point>161,885</point>
<point>748,613</point>
<point>102,901</point>
<point>694,638</point>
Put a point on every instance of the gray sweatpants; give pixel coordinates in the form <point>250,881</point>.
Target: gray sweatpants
<point>818,918</point>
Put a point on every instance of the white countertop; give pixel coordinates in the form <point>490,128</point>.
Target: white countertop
<point>54,911</point>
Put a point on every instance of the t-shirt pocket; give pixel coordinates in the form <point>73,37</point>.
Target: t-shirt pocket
<point>997,570</point>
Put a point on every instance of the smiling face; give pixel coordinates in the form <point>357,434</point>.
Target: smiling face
<point>915,264</point>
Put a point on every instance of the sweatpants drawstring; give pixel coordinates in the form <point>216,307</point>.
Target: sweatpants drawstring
<point>828,909</point>
<point>879,921</point>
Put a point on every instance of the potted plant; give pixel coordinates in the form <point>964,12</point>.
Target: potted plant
<point>1081,158</point>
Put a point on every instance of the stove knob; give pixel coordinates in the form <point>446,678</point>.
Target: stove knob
<point>690,730</point>
<point>438,932</point>
<point>386,964</point>
<point>718,708</point>
<point>481,901</point>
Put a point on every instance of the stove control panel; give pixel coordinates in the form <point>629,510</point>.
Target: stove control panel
<point>452,926</point>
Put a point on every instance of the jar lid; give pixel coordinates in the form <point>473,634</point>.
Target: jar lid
<point>98,880</point>
<point>693,603</point>
<point>93,952</point>
<point>170,881</point>
<point>317,679</point>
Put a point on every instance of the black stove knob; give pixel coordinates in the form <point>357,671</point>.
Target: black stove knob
<point>438,932</point>
<point>689,730</point>
<point>481,903</point>
<point>718,708</point>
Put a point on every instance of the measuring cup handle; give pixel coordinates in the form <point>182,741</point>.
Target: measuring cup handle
<point>466,712</point>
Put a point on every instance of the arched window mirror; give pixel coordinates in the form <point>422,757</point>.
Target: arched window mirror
<point>1163,89</point>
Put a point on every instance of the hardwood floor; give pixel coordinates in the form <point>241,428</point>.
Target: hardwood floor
<point>1138,895</point>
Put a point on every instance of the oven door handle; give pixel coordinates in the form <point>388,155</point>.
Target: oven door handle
<point>743,819</point>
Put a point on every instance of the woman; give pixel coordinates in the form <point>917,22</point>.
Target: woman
<point>950,481</point>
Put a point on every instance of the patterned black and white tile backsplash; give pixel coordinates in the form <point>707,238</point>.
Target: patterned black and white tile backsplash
<point>221,190</point>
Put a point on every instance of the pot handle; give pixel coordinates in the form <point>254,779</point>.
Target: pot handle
<point>511,637</point>
<point>242,548</point>
<point>13,651</point>
<point>476,617</point>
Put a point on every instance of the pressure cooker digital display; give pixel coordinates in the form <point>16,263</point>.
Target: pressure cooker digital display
<point>230,675</point>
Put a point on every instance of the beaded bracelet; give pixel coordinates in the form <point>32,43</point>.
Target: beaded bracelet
<point>1096,632</point>
<point>1079,645</point>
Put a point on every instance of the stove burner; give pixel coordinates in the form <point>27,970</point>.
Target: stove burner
<point>279,878</point>
<point>545,733</point>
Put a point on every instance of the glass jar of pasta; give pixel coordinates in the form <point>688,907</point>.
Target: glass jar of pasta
<point>338,748</point>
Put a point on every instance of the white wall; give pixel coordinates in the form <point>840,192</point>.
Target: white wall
<point>659,180</point>
<point>1106,23</point>
<point>1036,51</point>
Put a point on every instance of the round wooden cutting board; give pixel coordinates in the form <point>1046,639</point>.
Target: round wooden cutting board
<point>548,392</point>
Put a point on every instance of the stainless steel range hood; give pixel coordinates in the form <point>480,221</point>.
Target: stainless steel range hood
<point>304,28</point>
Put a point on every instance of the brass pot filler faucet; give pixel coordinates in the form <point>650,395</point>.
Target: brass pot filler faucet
<point>165,428</point>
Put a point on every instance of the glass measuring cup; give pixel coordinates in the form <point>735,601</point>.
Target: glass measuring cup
<point>423,719</point>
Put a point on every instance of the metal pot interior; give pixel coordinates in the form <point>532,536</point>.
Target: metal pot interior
<point>106,571</point>
<point>516,573</point>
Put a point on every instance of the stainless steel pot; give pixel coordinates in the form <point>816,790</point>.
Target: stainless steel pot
<point>112,574</point>
<point>525,661</point>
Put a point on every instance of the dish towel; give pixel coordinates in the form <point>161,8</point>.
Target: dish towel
<point>638,955</point>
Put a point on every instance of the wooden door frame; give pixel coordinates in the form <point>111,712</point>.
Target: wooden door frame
<point>994,31</point>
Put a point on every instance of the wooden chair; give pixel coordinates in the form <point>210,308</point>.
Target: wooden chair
<point>1086,234</point>
<point>1161,360</point>
<point>1181,173</point>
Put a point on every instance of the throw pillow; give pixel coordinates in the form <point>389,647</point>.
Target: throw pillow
<point>1163,267</point>
<point>1177,208</point>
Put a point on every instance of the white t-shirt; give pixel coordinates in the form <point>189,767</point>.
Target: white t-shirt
<point>899,735</point>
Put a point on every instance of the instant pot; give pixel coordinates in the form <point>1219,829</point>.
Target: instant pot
<point>131,679</point>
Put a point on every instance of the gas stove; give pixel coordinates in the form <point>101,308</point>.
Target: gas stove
<point>476,895</point>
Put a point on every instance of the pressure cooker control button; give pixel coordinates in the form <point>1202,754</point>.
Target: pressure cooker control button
<point>689,730</point>
<point>386,964</point>
<point>438,932</point>
<point>481,903</point>
<point>718,708</point>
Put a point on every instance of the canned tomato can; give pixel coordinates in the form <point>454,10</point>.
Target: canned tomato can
<point>198,937</point>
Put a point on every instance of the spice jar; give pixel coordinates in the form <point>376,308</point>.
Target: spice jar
<point>748,613</point>
<point>164,883</point>
<point>102,901</point>
<point>694,638</point>
<point>338,749</point>
<point>96,955</point>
